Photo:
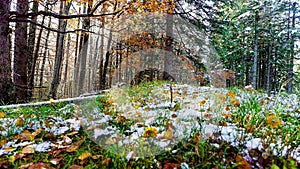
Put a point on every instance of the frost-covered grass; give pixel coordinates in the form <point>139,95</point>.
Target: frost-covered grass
<point>138,127</point>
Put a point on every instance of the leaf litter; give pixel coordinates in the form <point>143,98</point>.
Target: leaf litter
<point>198,109</point>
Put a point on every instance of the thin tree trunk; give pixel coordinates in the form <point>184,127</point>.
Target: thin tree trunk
<point>255,52</point>
<point>76,65</point>
<point>169,44</point>
<point>65,81</point>
<point>6,84</point>
<point>106,62</point>
<point>101,58</point>
<point>43,63</point>
<point>21,55</point>
<point>59,51</point>
<point>32,56</point>
<point>34,60</point>
<point>291,60</point>
<point>84,53</point>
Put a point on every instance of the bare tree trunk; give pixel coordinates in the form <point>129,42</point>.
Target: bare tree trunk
<point>255,53</point>
<point>169,44</point>
<point>59,51</point>
<point>101,58</point>
<point>95,64</point>
<point>76,65</point>
<point>65,81</point>
<point>43,63</point>
<point>32,55</point>
<point>6,84</point>
<point>291,59</point>
<point>21,55</point>
<point>84,53</point>
<point>106,63</point>
<point>34,60</point>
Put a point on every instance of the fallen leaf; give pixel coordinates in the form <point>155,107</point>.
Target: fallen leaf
<point>202,103</point>
<point>236,103</point>
<point>150,132</point>
<point>2,142</point>
<point>168,134</point>
<point>2,114</point>
<point>40,165</point>
<point>121,119</point>
<point>242,163</point>
<point>26,135</point>
<point>55,161</point>
<point>37,132</point>
<point>9,149</point>
<point>67,140</point>
<point>25,166</point>
<point>72,133</point>
<point>20,122</point>
<point>171,166</point>
<point>109,101</point>
<point>28,150</point>
<point>231,94</point>
<point>174,115</point>
<point>96,157</point>
<point>52,102</point>
<point>75,146</point>
<point>84,156</point>
<point>227,108</point>
<point>75,167</point>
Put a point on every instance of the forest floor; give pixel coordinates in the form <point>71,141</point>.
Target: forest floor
<point>140,127</point>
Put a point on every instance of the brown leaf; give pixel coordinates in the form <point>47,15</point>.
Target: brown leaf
<point>96,157</point>
<point>26,135</point>
<point>40,165</point>
<point>75,146</point>
<point>75,167</point>
<point>171,166</point>
<point>242,163</point>
<point>55,161</point>
<point>28,150</point>
<point>20,122</point>
<point>236,103</point>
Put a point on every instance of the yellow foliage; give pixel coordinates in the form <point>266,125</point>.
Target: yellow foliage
<point>273,121</point>
<point>150,132</point>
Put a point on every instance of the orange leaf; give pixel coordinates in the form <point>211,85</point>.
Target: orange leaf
<point>236,103</point>
<point>2,114</point>
<point>231,94</point>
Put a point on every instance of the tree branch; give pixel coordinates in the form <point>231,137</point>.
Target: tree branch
<point>58,16</point>
<point>50,29</point>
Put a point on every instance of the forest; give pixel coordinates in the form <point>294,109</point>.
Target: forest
<point>59,49</point>
<point>187,83</point>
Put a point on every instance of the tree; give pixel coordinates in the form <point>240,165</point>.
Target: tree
<point>6,84</point>
<point>64,9</point>
<point>21,55</point>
